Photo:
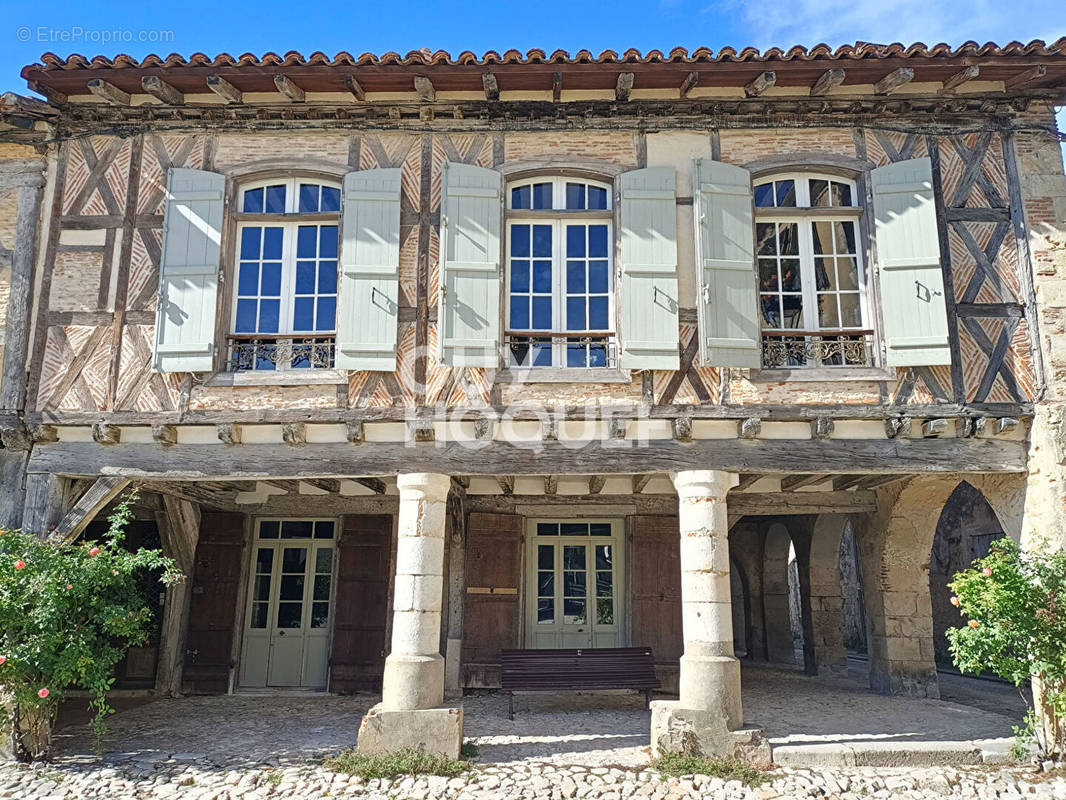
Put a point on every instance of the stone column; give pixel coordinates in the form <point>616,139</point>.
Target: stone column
<point>707,716</point>
<point>413,686</point>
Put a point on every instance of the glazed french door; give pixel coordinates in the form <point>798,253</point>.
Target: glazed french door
<point>573,592</point>
<point>290,593</point>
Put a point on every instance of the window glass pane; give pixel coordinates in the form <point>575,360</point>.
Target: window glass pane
<point>764,195</point>
<point>324,530</point>
<point>327,277</point>
<point>598,276</point>
<point>269,529</point>
<point>296,529</point>
<point>248,279</point>
<point>520,197</point>
<point>520,241</point>
<point>321,587</point>
<point>788,238</point>
<point>850,310</point>
<point>327,314</point>
<point>597,241</point>
<point>600,529</point>
<point>547,529</point>
<point>574,556</point>
<point>844,237</point>
<point>575,314</point>
<point>791,278</point>
<point>847,274</point>
<point>519,313</point>
<point>306,241</point>
<point>574,611</point>
<point>270,276</point>
<point>327,241</point>
<point>768,279</point>
<point>250,239</point>
<point>542,196</point>
<point>545,556</point>
<point>292,587</point>
<point>275,199</point>
<point>259,614</point>
<point>604,611</point>
<point>542,276</point>
<point>822,236</point>
<point>303,311</point>
<point>574,529</point>
<point>293,559</point>
<point>819,192</point>
<point>324,555</point>
<point>598,314</point>
<point>520,276</point>
<point>289,615</point>
<point>308,197</point>
<point>575,241</point>
<point>269,315</point>
<point>542,241</point>
<point>827,311</point>
<point>545,612</point>
<point>786,193</point>
<point>841,194</point>
<point>545,583</point>
<point>262,587</point>
<point>253,201</point>
<point>575,196</point>
<point>765,238</point>
<point>305,277</point>
<point>771,310</point>
<point>319,615</point>
<point>272,243</point>
<point>577,354</point>
<point>331,199</point>
<point>792,311</point>
<point>597,198</point>
<point>575,277</point>
<point>542,314</point>
<point>605,584</point>
<point>824,277</point>
<point>264,559</point>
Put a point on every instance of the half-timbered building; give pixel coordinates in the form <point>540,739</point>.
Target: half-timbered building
<point>413,359</point>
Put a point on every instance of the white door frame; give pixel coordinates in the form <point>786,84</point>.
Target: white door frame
<point>617,540</point>
<point>257,642</point>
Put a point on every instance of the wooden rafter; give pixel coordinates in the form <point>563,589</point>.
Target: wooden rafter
<point>894,80</point>
<point>841,482</point>
<point>964,75</point>
<point>355,88</point>
<point>109,92</point>
<point>762,82</point>
<point>689,84</point>
<point>506,483</point>
<point>285,85</point>
<point>557,86</point>
<point>829,79</point>
<point>424,87</point>
<point>879,480</point>
<point>102,492</point>
<point>746,480</point>
<point>224,89</point>
<point>161,90</point>
<point>551,485</point>
<point>792,482</point>
<point>623,86</point>
<point>640,481</point>
<point>331,485</point>
<point>1027,76</point>
<point>376,485</point>
<point>491,86</point>
<point>596,483</point>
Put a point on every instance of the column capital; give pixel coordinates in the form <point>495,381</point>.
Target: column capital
<point>704,482</point>
<point>427,485</point>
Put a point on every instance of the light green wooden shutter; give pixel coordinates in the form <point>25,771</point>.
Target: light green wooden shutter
<point>370,267</point>
<point>188,272</point>
<point>469,313</point>
<point>727,305</point>
<point>648,329</point>
<point>908,249</point>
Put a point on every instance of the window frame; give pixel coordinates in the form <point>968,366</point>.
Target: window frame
<point>289,222</point>
<point>558,217</point>
<point>805,215</point>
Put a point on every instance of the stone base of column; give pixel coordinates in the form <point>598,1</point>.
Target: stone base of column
<point>703,732</point>
<point>910,680</point>
<point>712,682</point>
<point>412,682</point>
<point>435,730</point>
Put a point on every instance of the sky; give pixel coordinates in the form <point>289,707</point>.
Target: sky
<point>136,28</point>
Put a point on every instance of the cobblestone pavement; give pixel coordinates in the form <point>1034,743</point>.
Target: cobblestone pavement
<point>558,747</point>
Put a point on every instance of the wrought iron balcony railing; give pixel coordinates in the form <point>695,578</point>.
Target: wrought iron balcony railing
<point>575,349</point>
<point>256,352</point>
<point>827,348</point>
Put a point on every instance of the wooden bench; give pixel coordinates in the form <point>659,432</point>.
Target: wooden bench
<point>577,670</point>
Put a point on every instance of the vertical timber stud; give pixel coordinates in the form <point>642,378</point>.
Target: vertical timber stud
<point>708,710</point>
<point>413,687</point>
<point>179,528</point>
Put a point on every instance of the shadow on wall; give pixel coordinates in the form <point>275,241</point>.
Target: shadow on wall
<point>854,608</point>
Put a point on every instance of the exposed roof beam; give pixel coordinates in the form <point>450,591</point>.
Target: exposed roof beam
<point>551,485</point>
<point>640,481</point>
<point>557,86</point>
<point>506,483</point>
<point>960,77</point>
<point>596,483</point>
<point>224,89</point>
<point>355,88</point>
<point>624,86</point>
<point>1028,76</point>
<point>492,87</point>
<point>879,480</point>
<point>792,482</point>
<point>747,480</point>
<point>894,80</point>
<point>842,482</point>
<point>376,485</point>
<point>109,92</point>
<point>289,89</point>
<point>331,485</point>
<point>830,78</point>
<point>100,493</point>
<point>424,87</point>
<point>161,90</point>
<point>761,83</point>
<point>689,84</point>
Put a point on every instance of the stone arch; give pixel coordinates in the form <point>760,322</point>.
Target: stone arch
<point>895,545</point>
<point>780,642</point>
<point>745,550</point>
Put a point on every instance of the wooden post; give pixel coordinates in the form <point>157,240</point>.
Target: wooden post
<point>179,529</point>
<point>456,594</point>
<point>46,501</point>
<point>13,479</point>
<point>102,492</point>
<point>13,376</point>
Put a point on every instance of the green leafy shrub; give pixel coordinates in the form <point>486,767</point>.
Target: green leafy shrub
<point>1015,602</point>
<point>68,613</point>
<point>728,769</point>
<point>404,761</point>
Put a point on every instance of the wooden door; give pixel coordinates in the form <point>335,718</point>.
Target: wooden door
<point>362,603</point>
<point>492,614</point>
<point>212,612</point>
<point>656,581</point>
